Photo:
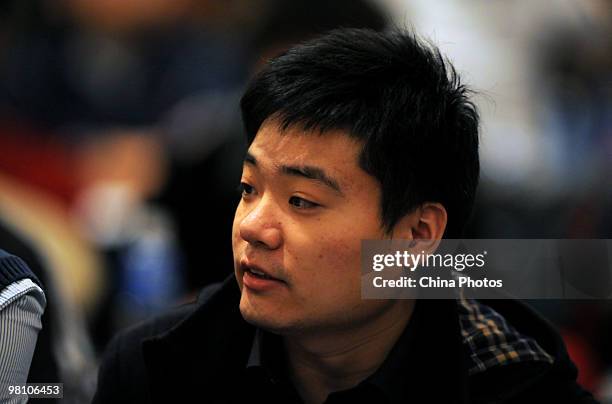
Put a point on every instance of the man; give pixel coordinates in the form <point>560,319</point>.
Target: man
<point>355,135</point>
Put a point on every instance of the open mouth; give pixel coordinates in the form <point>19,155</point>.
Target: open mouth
<point>257,280</point>
<point>258,274</point>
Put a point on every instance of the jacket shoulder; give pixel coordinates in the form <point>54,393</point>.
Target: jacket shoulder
<point>122,376</point>
<point>166,321</point>
<point>515,356</point>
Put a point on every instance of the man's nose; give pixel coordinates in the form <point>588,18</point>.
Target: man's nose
<point>261,226</point>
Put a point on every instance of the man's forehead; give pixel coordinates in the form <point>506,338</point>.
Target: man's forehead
<point>330,158</point>
<point>295,145</point>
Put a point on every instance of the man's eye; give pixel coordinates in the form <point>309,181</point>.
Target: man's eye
<point>301,203</point>
<point>245,189</point>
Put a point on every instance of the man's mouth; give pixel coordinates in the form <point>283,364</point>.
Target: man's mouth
<point>258,274</point>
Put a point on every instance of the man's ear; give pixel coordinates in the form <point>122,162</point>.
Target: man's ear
<point>426,222</point>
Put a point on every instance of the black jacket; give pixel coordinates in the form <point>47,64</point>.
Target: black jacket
<point>198,353</point>
<point>13,269</point>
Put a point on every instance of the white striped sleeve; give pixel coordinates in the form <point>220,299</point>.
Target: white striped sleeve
<point>22,305</point>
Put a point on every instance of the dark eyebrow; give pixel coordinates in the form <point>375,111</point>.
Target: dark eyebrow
<point>312,173</point>
<point>250,159</point>
<point>308,172</point>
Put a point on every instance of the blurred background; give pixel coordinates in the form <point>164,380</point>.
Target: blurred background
<point>121,146</point>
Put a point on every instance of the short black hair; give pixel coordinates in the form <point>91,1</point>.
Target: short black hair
<point>394,92</point>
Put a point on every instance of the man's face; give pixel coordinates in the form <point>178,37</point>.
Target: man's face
<point>306,205</point>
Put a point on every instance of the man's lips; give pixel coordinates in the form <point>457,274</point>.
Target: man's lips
<point>258,271</point>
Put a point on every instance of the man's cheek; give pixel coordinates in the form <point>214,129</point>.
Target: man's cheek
<point>341,256</point>
<point>236,230</point>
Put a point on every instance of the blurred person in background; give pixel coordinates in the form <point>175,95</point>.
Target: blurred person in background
<point>22,304</point>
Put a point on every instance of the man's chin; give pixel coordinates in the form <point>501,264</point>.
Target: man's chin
<point>262,319</point>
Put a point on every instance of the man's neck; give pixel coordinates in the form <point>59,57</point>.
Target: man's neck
<point>321,364</point>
